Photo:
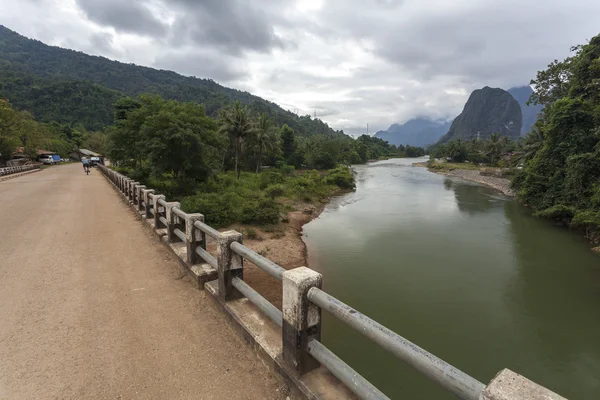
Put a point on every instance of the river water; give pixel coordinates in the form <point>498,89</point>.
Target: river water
<point>463,272</point>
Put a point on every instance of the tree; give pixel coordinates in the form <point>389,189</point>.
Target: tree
<point>264,139</point>
<point>495,146</point>
<point>288,143</point>
<point>96,141</point>
<point>237,124</point>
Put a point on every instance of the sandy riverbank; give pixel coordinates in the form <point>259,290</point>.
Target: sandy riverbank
<point>281,244</point>
<point>473,175</point>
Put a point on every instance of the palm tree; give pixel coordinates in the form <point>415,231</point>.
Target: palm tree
<point>532,143</point>
<point>236,123</point>
<point>264,139</point>
<point>495,146</point>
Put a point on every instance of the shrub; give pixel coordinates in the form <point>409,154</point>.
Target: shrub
<point>560,212</point>
<point>268,178</point>
<point>342,177</point>
<point>274,191</point>
<point>251,234</point>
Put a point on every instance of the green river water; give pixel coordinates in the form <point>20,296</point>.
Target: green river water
<point>463,272</point>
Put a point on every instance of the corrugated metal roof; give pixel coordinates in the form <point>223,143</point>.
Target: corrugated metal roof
<point>90,153</point>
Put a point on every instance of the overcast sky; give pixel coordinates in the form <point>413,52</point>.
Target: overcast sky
<point>352,61</point>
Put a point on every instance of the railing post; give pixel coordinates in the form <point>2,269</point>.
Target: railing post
<point>134,196</point>
<point>147,193</point>
<point>510,385</point>
<point>191,237</point>
<point>229,264</point>
<point>140,197</point>
<point>171,217</point>
<point>157,206</point>
<point>132,191</point>
<point>301,318</point>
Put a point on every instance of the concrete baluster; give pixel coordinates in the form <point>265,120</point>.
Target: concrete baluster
<point>192,237</point>
<point>172,222</point>
<point>147,202</point>
<point>140,197</point>
<point>509,385</point>
<point>229,264</point>
<point>301,318</point>
<point>157,206</point>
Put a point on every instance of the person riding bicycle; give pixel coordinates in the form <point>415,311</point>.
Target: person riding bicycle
<point>86,164</point>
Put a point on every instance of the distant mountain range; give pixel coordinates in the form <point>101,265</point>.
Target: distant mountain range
<point>420,132</point>
<point>488,110</point>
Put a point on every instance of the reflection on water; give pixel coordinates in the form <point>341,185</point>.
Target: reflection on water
<point>463,272</point>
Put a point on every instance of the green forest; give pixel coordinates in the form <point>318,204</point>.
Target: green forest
<point>560,178</point>
<point>239,167</point>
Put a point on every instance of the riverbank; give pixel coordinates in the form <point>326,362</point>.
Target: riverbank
<point>281,243</point>
<point>473,174</point>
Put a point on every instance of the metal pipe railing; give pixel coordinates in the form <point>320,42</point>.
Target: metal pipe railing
<point>162,202</point>
<point>352,379</point>
<point>163,220</point>
<point>207,229</point>
<point>268,266</point>
<point>449,377</point>
<point>179,234</point>
<point>263,304</point>
<point>206,256</point>
<point>179,212</point>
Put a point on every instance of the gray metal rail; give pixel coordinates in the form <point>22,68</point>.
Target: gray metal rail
<point>179,212</point>
<point>207,229</point>
<point>179,234</point>
<point>452,379</point>
<point>162,202</point>
<point>163,220</point>
<point>266,265</point>
<point>263,304</point>
<point>352,379</point>
<point>206,256</point>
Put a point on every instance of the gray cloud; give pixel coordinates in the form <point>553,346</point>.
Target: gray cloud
<point>233,25</point>
<point>202,64</point>
<point>354,61</point>
<point>131,16</point>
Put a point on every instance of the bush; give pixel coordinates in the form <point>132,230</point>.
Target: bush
<point>251,234</point>
<point>342,177</point>
<point>263,212</point>
<point>560,212</point>
<point>275,191</point>
<point>268,178</point>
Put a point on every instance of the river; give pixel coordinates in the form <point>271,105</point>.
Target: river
<point>463,272</point>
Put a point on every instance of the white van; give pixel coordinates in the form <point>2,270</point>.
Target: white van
<point>46,159</point>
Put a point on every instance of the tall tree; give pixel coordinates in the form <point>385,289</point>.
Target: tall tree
<point>264,138</point>
<point>237,124</point>
<point>288,143</point>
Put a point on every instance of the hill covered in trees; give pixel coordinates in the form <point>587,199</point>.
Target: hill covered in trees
<point>419,132</point>
<point>560,178</point>
<point>488,111</point>
<point>57,84</point>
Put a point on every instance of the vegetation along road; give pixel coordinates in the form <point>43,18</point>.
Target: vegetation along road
<point>94,307</point>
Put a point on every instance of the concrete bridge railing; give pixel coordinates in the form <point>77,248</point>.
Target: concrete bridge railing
<point>15,170</point>
<point>302,305</point>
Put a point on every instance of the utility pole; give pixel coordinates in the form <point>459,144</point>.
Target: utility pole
<point>367,129</point>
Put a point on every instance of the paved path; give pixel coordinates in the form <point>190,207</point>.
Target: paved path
<point>93,306</point>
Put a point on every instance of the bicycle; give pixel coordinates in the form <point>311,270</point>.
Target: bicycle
<point>87,169</point>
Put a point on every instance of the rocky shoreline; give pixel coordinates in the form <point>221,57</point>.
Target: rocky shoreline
<point>500,184</point>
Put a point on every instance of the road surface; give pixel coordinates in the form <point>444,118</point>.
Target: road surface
<point>93,306</point>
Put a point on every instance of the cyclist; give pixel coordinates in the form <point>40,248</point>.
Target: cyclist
<point>86,164</point>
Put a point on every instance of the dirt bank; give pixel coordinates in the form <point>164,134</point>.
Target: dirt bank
<point>500,184</point>
<point>473,175</point>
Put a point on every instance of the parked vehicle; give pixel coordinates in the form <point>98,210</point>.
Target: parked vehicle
<point>94,161</point>
<point>46,159</point>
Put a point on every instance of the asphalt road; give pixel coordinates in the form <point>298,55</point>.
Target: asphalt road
<point>93,306</point>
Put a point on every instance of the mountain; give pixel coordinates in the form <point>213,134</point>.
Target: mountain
<point>530,112</point>
<point>488,111</point>
<point>60,84</point>
<point>419,132</point>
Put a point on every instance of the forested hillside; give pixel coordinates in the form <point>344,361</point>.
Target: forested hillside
<point>561,174</point>
<point>78,82</point>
